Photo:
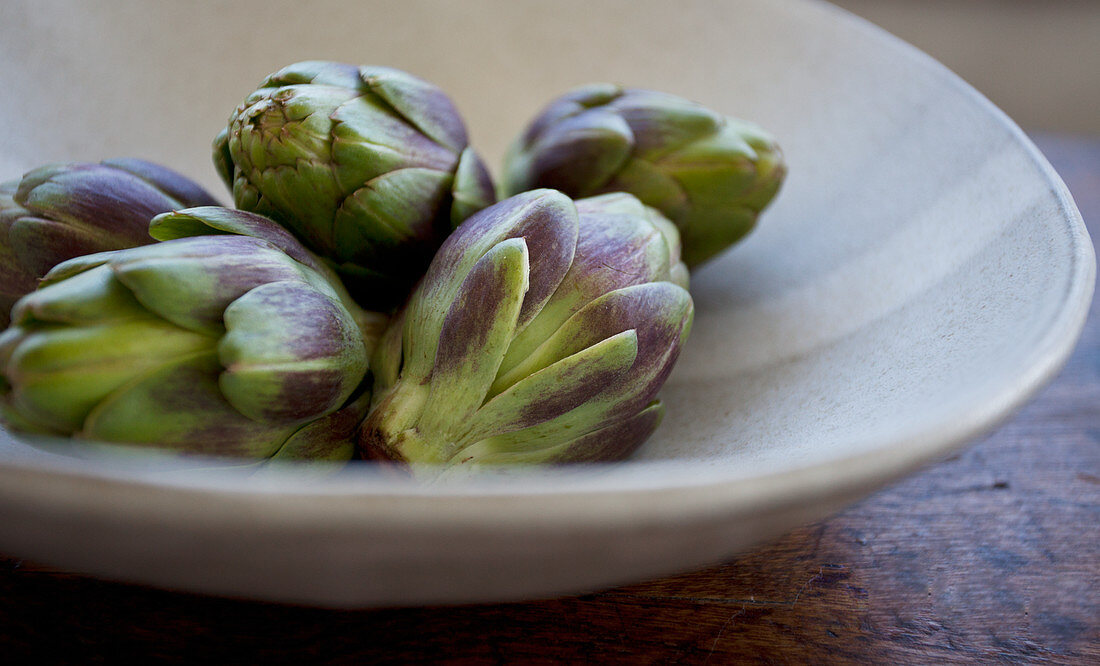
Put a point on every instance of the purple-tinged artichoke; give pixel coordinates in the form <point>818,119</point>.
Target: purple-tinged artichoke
<point>541,333</point>
<point>368,166</point>
<point>60,211</point>
<point>213,344</point>
<point>710,174</point>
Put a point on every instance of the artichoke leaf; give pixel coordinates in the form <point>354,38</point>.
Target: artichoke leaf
<point>191,281</point>
<point>557,389</point>
<point>179,407</point>
<point>59,374</point>
<point>290,353</point>
<point>475,335</point>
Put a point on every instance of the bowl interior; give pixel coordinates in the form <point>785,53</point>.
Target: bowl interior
<point>919,274</point>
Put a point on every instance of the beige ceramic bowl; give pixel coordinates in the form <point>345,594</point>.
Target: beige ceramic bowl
<point>922,273</point>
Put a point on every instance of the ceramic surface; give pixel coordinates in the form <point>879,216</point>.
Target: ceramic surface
<point>922,273</point>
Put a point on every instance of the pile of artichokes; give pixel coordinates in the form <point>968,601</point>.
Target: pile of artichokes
<point>368,295</point>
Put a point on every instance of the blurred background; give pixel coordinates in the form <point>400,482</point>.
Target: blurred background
<point>1036,59</point>
<point>1039,60</point>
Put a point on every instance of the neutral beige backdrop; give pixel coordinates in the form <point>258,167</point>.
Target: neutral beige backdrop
<point>1039,60</point>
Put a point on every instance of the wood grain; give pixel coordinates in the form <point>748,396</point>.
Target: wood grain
<point>990,555</point>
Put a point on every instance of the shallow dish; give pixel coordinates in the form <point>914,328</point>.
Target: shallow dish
<point>922,273</point>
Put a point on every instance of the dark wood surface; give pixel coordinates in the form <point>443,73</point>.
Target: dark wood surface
<point>990,555</point>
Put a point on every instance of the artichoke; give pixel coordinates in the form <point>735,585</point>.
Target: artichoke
<point>541,333</point>
<point>61,211</point>
<point>208,344</point>
<point>368,166</point>
<point>710,174</point>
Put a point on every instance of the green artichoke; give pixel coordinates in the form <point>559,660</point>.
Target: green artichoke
<point>212,344</point>
<point>710,174</point>
<point>541,333</point>
<point>61,211</point>
<point>368,166</point>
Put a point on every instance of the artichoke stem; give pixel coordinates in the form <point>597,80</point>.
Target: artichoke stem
<point>414,448</point>
<point>391,431</point>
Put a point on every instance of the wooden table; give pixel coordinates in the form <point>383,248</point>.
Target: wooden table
<point>992,554</point>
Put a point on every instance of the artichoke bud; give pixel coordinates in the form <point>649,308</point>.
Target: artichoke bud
<point>541,332</point>
<point>368,166</point>
<point>216,345</point>
<point>60,211</point>
<point>710,174</point>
